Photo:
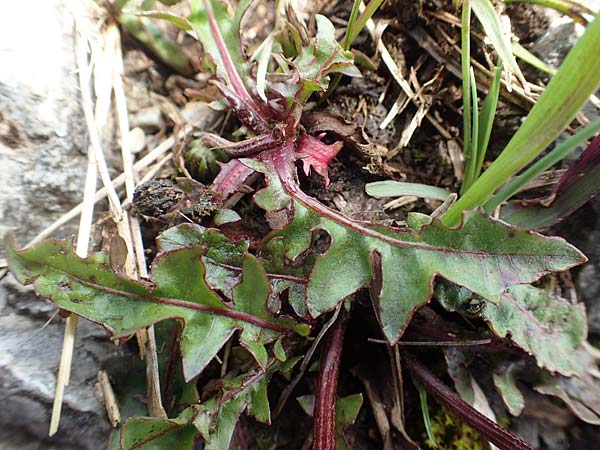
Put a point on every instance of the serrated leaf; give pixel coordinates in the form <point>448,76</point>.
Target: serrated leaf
<point>218,28</point>
<point>400,265</point>
<point>147,433</point>
<point>317,155</point>
<point>544,325</point>
<point>178,289</point>
<point>223,262</point>
<point>216,419</point>
<point>323,57</point>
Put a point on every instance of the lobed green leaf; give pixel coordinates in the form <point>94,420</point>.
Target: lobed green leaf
<point>580,394</point>
<point>318,60</point>
<point>96,288</point>
<point>399,265</point>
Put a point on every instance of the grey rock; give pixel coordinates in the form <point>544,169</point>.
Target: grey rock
<point>42,135</point>
<point>29,355</point>
<point>42,170</point>
<point>148,119</point>
<point>554,45</point>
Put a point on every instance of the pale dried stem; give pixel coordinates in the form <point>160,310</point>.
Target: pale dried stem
<point>408,93</point>
<point>110,400</point>
<point>152,156</point>
<point>387,59</point>
<point>96,145</point>
<point>226,354</point>
<point>146,337</point>
<point>98,119</point>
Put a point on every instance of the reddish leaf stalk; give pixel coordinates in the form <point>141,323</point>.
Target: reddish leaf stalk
<point>234,77</point>
<point>324,417</point>
<point>495,434</point>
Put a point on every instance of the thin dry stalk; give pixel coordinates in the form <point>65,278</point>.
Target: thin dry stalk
<point>387,59</point>
<point>101,194</point>
<point>83,237</point>
<point>305,362</point>
<point>109,398</point>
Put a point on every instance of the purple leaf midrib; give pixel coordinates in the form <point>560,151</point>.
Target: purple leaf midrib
<point>236,315</point>
<point>234,76</point>
<point>330,214</point>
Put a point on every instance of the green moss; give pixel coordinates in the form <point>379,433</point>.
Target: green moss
<point>451,433</point>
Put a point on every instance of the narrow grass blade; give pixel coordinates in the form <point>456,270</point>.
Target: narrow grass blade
<point>521,52</point>
<point>490,21</point>
<point>556,155</point>
<point>486,119</point>
<point>180,22</point>
<point>351,21</point>
<point>577,78</point>
<point>355,26</point>
<point>470,169</point>
<point>150,35</point>
<point>360,23</point>
<point>466,81</point>
<point>426,418</point>
<point>580,183</point>
<point>390,188</point>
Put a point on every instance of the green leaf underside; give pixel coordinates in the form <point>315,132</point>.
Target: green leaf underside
<point>147,433</point>
<point>580,394</point>
<point>325,56</point>
<point>229,26</point>
<point>484,255</point>
<point>214,419</point>
<point>90,288</point>
<point>390,188</point>
<point>511,395</point>
<point>544,325</point>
